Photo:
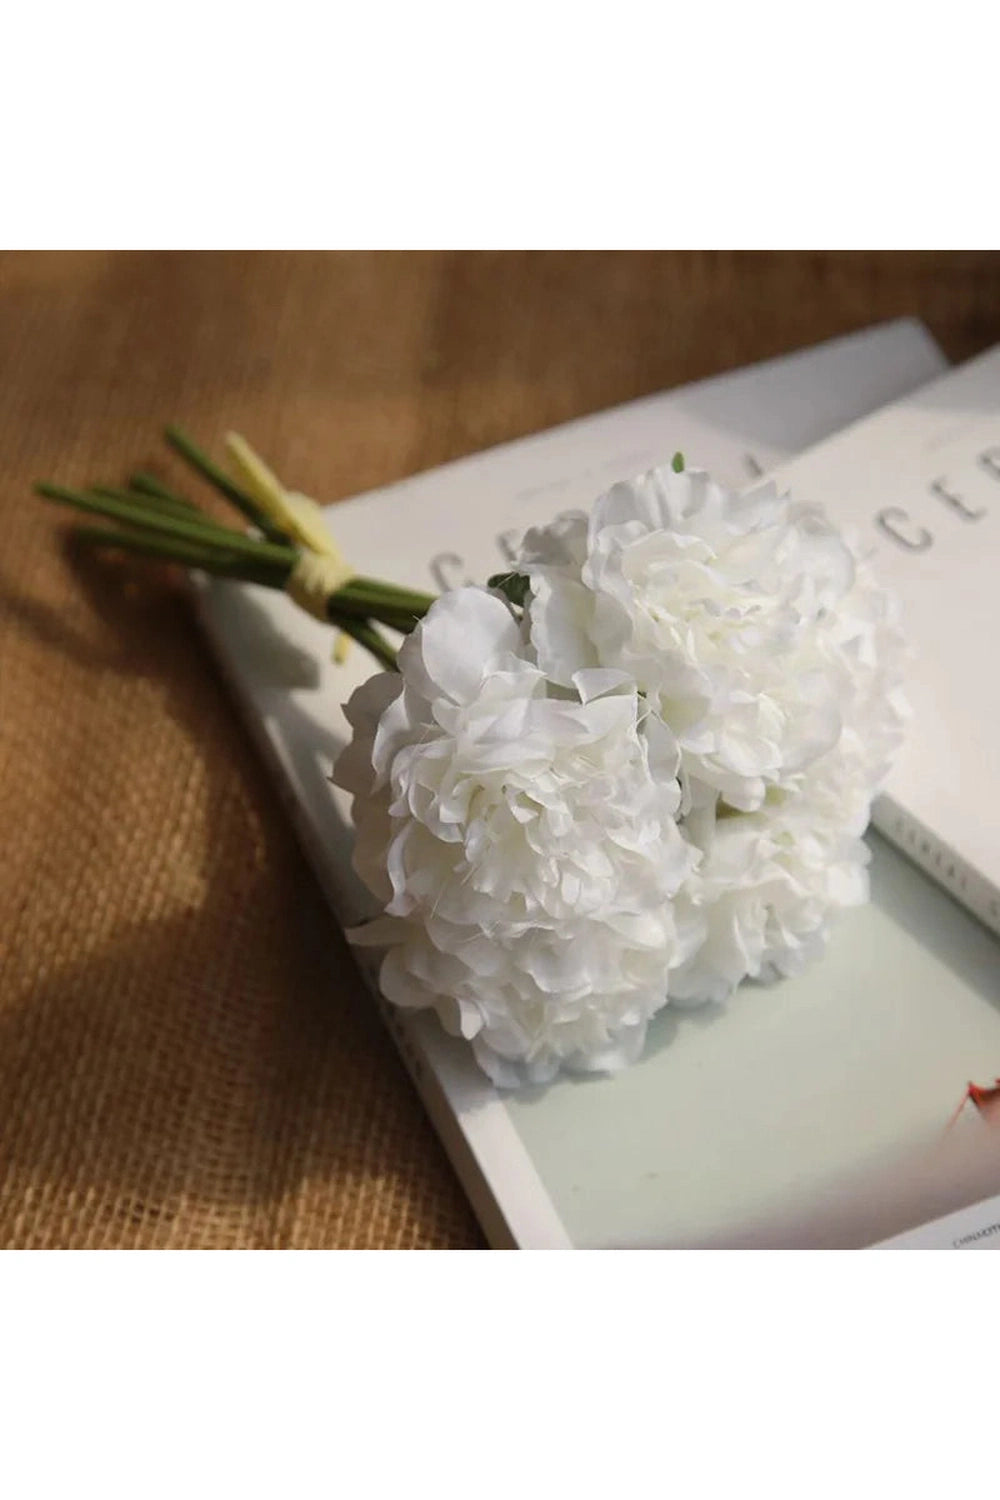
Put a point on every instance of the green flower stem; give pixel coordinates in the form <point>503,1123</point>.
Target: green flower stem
<point>374,590</point>
<point>149,502</point>
<point>173,526</point>
<point>234,568</point>
<point>366,635</point>
<point>361,589</point>
<point>148,484</point>
<point>176,535</point>
<point>342,603</point>
<point>143,505</point>
<point>185,554</point>
<point>151,520</point>
<point>204,466</point>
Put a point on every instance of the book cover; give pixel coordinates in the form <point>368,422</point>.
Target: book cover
<point>919,482</point>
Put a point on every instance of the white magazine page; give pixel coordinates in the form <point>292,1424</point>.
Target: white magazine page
<point>976,1228</point>
<point>919,482</point>
<point>742,1126</point>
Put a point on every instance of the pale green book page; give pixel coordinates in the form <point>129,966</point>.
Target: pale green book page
<point>749,1115</point>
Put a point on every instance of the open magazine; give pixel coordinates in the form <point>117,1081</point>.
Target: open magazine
<point>812,1112</point>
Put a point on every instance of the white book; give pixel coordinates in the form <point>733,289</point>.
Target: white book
<point>809,1112</point>
<point>920,482</point>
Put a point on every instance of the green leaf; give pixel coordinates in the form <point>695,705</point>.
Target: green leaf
<point>514,586</point>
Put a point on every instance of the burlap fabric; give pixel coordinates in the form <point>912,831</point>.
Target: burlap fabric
<point>186,1057</point>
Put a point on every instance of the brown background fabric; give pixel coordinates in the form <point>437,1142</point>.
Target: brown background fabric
<point>186,1056</point>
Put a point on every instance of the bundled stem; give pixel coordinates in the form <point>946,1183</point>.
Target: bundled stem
<point>204,466</point>
<point>151,520</point>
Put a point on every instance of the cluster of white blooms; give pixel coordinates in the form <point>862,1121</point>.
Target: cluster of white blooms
<point>644,783</point>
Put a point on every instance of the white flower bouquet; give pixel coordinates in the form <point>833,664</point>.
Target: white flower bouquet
<point>633,771</point>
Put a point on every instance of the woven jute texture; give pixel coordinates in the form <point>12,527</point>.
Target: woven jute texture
<point>186,1056</point>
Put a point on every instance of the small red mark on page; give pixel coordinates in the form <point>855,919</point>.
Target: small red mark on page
<point>986,1102</point>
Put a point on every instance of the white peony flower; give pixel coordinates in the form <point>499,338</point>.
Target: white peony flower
<point>650,784</point>
<point>764,643</point>
<point>764,894</point>
<point>721,607</point>
<point>525,842</point>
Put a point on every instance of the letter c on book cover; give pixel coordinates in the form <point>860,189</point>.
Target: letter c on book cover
<point>890,519</point>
